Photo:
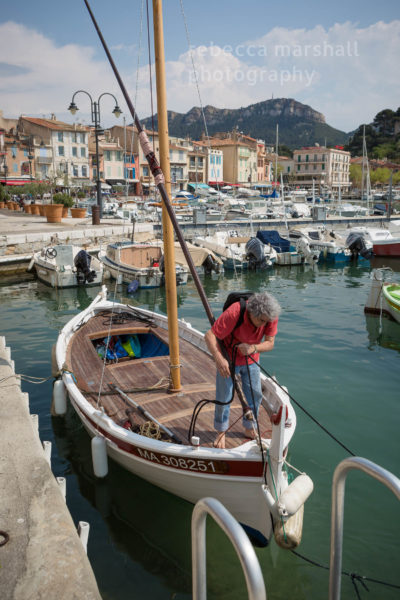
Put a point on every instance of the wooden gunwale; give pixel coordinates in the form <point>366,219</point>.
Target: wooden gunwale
<point>140,377</point>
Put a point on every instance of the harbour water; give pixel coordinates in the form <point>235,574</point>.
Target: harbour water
<point>339,364</point>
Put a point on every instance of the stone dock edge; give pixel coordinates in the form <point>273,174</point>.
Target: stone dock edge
<point>41,553</point>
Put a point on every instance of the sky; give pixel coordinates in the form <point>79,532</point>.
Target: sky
<point>341,58</point>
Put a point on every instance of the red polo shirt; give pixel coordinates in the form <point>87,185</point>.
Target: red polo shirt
<point>246,333</point>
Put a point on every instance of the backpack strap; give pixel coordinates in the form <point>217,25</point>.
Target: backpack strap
<point>240,320</point>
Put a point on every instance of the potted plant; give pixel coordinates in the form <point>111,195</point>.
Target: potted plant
<point>78,212</point>
<point>66,200</point>
<point>54,211</point>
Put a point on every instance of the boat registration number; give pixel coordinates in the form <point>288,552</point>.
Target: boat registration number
<point>184,463</point>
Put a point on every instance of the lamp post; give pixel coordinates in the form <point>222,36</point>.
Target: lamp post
<point>95,114</point>
<point>30,155</point>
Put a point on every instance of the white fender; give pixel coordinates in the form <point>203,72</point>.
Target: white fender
<point>99,456</point>
<point>59,397</point>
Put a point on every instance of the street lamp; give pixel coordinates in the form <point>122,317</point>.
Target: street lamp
<point>95,110</point>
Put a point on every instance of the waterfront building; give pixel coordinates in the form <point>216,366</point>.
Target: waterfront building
<point>327,167</point>
<point>239,156</point>
<point>60,151</point>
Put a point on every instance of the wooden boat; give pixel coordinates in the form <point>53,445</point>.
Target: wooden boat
<point>130,261</point>
<point>152,410</point>
<point>384,297</point>
<point>66,265</point>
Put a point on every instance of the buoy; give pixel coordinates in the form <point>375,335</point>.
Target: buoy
<point>99,456</point>
<point>59,397</point>
<point>296,494</point>
<point>54,366</point>
<point>288,533</point>
<point>133,286</point>
<point>31,264</point>
<point>83,532</point>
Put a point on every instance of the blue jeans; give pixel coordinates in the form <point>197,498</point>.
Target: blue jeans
<point>224,394</point>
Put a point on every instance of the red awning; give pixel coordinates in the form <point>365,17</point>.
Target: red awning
<point>11,182</point>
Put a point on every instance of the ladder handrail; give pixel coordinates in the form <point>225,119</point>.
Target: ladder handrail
<point>338,488</point>
<point>240,541</point>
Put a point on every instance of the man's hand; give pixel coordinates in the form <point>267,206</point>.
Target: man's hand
<point>222,366</point>
<point>246,349</point>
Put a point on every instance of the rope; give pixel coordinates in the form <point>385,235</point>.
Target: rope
<point>355,578</point>
<point>305,410</point>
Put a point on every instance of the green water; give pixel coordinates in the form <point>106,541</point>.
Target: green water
<point>342,366</point>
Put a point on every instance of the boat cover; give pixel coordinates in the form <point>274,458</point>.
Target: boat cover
<point>197,253</point>
<point>273,238</point>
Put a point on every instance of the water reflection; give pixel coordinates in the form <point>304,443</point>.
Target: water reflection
<point>393,262</point>
<point>384,332</point>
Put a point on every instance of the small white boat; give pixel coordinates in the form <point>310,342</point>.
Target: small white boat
<point>129,261</point>
<point>326,245</point>
<point>384,296</point>
<point>236,251</point>
<point>66,265</point>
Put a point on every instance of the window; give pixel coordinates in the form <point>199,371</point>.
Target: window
<point>180,154</point>
<point>75,170</point>
<point>323,166</point>
<point>74,151</point>
<point>145,171</point>
<point>315,167</point>
<point>192,162</point>
<point>200,161</point>
<point>298,158</point>
<point>83,152</point>
<point>107,155</point>
<point>306,167</point>
<point>94,171</point>
<point>74,137</point>
<point>306,157</point>
<point>60,150</point>
<point>84,171</point>
<point>118,155</point>
<point>60,136</point>
<point>315,157</point>
<point>298,167</point>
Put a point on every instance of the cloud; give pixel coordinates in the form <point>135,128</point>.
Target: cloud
<point>40,77</point>
<point>346,72</point>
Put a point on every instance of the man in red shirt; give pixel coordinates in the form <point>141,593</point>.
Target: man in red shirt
<point>256,334</point>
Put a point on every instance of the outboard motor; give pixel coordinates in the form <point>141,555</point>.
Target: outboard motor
<point>210,265</point>
<point>255,254</point>
<point>82,263</point>
<point>357,246</point>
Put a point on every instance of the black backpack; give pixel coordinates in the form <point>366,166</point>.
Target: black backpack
<point>241,297</point>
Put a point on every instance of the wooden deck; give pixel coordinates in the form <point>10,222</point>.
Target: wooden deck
<point>145,380</point>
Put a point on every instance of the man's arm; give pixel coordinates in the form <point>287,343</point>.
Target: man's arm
<point>265,346</point>
<point>213,346</point>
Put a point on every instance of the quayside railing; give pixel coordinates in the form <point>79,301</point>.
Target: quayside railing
<point>244,549</point>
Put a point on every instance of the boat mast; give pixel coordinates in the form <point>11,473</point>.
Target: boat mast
<point>168,234</point>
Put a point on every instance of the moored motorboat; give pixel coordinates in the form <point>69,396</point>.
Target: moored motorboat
<point>384,243</point>
<point>66,265</point>
<point>142,262</point>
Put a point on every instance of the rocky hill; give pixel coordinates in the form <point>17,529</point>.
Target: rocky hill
<point>299,124</point>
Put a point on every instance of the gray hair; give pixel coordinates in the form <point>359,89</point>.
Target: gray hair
<point>263,305</point>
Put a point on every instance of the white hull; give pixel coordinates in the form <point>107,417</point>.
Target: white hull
<point>60,272</point>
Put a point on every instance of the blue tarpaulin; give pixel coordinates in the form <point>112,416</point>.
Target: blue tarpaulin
<point>273,238</point>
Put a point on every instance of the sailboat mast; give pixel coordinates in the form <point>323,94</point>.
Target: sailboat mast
<point>168,234</point>
<point>155,170</point>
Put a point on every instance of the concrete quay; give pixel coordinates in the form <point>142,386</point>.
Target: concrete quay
<point>41,554</point>
<point>22,234</point>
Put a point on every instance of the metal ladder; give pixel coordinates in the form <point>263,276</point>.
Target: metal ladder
<point>242,544</point>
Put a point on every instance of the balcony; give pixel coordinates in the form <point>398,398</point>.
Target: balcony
<point>44,160</point>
